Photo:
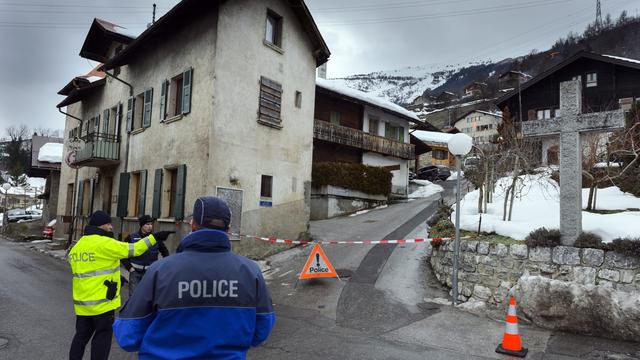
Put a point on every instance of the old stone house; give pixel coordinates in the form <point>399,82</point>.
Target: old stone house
<point>214,98</point>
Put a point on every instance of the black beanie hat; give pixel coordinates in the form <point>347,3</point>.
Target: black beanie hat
<point>145,219</point>
<point>99,218</point>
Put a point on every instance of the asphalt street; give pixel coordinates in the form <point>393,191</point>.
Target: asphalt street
<point>386,306</point>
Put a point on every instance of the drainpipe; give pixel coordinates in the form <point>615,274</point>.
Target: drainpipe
<point>73,192</point>
<point>126,151</point>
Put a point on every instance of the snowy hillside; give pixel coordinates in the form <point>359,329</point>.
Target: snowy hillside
<point>403,85</point>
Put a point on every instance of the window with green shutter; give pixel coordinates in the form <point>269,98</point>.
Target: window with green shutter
<point>123,195</point>
<point>187,81</point>
<point>131,104</point>
<point>181,185</point>
<point>142,192</point>
<point>164,89</point>
<point>157,194</point>
<point>148,102</point>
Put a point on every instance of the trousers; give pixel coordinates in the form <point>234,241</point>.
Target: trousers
<point>98,329</point>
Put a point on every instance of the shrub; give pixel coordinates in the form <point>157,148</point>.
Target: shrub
<point>444,228</point>
<point>588,240</point>
<point>629,181</point>
<point>368,179</point>
<point>436,244</point>
<point>443,213</point>
<point>627,246</point>
<point>543,238</point>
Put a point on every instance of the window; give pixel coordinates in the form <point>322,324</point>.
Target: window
<point>139,110</point>
<point>374,124</point>
<point>175,95</point>
<point>134,195</point>
<point>84,198</point>
<point>592,79</point>
<point>266,186</point>
<point>543,114</point>
<point>107,192</point>
<point>69,202</point>
<point>440,154</point>
<point>269,103</point>
<point>334,118</point>
<point>298,99</point>
<point>394,132</point>
<point>168,192</point>
<point>273,32</point>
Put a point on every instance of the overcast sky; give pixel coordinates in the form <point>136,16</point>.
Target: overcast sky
<point>40,39</point>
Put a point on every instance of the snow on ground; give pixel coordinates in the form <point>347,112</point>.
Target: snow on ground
<point>426,189</point>
<point>454,175</point>
<point>367,210</point>
<point>537,205</point>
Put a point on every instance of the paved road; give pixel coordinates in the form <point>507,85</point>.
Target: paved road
<point>385,307</point>
<point>36,311</point>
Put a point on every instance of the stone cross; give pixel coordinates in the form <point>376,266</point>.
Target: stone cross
<point>570,124</point>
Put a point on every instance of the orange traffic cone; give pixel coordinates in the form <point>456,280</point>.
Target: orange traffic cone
<point>511,343</point>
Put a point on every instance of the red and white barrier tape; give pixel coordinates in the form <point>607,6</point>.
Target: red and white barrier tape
<point>274,240</point>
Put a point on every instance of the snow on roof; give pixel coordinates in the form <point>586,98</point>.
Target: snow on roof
<point>363,96</point>
<point>115,28</point>
<point>622,58</point>
<point>51,153</point>
<point>497,114</point>
<point>432,136</point>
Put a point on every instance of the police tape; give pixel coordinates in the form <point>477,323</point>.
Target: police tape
<point>275,240</point>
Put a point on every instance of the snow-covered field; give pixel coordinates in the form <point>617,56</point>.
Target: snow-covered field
<point>426,189</point>
<point>538,206</point>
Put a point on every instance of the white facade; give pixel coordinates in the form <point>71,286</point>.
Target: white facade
<point>400,180</point>
<point>219,141</point>
<point>482,126</point>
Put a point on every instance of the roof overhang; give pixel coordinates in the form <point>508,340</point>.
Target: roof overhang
<point>80,93</point>
<point>99,39</point>
<point>420,146</point>
<point>76,83</point>
<point>183,14</point>
<point>579,55</point>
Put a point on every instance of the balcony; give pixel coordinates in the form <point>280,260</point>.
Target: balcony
<point>99,150</point>
<point>323,130</point>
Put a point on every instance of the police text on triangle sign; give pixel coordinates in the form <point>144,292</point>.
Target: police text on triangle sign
<point>317,265</point>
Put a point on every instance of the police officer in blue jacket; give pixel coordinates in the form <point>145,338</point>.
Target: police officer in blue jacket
<point>204,302</point>
<point>138,265</point>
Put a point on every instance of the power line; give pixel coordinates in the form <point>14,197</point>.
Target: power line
<point>396,5</point>
<point>451,14</point>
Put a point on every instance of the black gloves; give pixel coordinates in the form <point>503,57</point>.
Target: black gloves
<point>162,235</point>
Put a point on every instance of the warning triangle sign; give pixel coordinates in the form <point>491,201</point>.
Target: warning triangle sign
<point>317,265</point>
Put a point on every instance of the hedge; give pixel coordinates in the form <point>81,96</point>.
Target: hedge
<point>368,179</point>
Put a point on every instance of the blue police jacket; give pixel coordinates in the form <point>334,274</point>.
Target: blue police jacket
<point>150,256</point>
<point>202,303</point>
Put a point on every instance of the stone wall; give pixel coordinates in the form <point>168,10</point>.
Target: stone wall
<point>488,271</point>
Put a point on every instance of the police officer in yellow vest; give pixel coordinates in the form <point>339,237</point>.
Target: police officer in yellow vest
<point>95,264</point>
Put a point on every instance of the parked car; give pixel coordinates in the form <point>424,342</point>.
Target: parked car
<point>412,175</point>
<point>433,173</point>
<point>49,229</point>
<point>15,215</point>
<point>470,162</point>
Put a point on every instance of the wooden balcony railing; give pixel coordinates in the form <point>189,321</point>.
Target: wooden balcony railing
<point>323,130</point>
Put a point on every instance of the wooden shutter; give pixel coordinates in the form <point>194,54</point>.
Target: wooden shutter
<point>123,195</point>
<point>142,193</point>
<point>163,100</point>
<point>118,119</point>
<point>270,101</point>
<point>146,114</point>
<point>105,121</point>
<point>181,177</point>
<point>157,194</point>
<point>401,133</point>
<point>131,103</point>
<point>96,125</point>
<point>91,188</point>
<point>187,81</point>
<point>79,197</point>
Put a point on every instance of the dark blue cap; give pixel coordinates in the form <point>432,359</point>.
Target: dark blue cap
<point>99,218</point>
<point>208,208</point>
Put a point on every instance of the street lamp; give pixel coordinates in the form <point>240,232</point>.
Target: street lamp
<point>459,145</point>
<point>5,187</point>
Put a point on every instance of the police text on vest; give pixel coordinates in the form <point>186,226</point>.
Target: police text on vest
<point>208,288</point>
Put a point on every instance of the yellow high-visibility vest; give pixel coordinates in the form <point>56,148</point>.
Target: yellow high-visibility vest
<point>95,259</point>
